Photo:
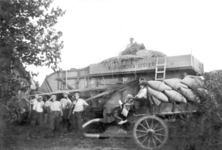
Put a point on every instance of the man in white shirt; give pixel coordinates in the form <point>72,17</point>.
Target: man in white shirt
<point>66,105</point>
<point>37,110</point>
<point>140,100</point>
<point>141,97</point>
<point>130,44</point>
<point>79,106</point>
<point>55,112</point>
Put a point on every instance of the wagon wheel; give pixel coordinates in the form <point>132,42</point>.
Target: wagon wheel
<point>150,132</point>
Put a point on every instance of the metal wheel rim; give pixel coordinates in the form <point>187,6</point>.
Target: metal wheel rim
<point>150,132</point>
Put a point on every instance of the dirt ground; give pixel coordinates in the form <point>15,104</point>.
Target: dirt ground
<point>70,141</point>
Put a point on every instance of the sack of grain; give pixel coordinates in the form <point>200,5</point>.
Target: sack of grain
<point>175,83</point>
<point>159,95</point>
<point>188,94</point>
<point>175,96</point>
<point>158,85</point>
<point>193,82</point>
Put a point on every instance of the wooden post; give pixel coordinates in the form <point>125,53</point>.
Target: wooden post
<point>58,80</point>
<point>77,80</point>
<point>66,80</point>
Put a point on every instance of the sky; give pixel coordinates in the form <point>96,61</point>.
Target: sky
<point>94,30</point>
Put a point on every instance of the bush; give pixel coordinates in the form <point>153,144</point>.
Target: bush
<point>203,130</point>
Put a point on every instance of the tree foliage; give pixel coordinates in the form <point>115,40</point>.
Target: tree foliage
<point>203,130</point>
<point>27,37</point>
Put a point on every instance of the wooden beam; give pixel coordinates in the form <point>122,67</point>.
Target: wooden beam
<point>112,89</point>
<point>103,88</point>
<point>64,82</point>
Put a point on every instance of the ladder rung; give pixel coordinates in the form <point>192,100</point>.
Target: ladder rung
<point>160,71</point>
<point>160,65</point>
<point>159,78</point>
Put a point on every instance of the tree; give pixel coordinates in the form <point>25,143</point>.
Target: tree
<point>27,37</point>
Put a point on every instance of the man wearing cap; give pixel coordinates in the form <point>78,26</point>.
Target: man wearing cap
<point>37,110</point>
<point>55,113</point>
<point>66,105</point>
<point>79,106</point>
<point>141,97</point>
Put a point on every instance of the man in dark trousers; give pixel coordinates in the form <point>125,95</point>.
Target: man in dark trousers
<point>79,106</point>
<point>55,113</point>
<point>141,100</point>
<point>66,105</point>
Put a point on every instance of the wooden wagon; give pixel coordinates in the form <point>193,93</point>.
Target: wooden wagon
<point>149,130</point>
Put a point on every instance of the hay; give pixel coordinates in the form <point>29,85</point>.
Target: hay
<point>150,53</point>
<point>131,54</point>
<point>116,62</point>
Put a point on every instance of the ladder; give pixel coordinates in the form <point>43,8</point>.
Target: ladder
<point>160,72</point>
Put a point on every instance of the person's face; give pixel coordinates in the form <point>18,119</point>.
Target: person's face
<point>65,95</point>
<point>131,40</point>
<point>53,98</point>
<point>77,96</point>
<point>39,99</point>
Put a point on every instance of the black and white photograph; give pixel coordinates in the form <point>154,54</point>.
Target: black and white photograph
<point>110,74</point>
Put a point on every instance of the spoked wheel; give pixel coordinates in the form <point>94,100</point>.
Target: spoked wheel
<point>150,132</point>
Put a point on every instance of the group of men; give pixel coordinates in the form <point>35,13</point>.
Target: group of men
<point>66,113</point>
<point>60,112</point>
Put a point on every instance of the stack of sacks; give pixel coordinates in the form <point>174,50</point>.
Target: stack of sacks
<point>173,94</point>
<point>175,83</point>
<point>157,94</point>
<point>176,89</point>
<point>156,88</point>
<point>193,83</point>
<point>189,94</point>
<point>164,93</point>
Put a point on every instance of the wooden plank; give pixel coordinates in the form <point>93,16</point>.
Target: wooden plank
<point>99,95</point>
<point>112,89</point>
<point>48,85</point>
<point>76,90</point>
<point>68,85</point>
<point>77,82</point>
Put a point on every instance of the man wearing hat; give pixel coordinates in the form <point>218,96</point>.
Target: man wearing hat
<point>79,106</point>
<point>55,112</point>
<point>66,105</point>
<point>37,110</point>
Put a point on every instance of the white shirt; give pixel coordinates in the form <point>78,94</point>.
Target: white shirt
<point>38,106</point>
<point>142,93</point>
<point>55,106</point>
<point>79,105</point>
<point>66,103</point>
